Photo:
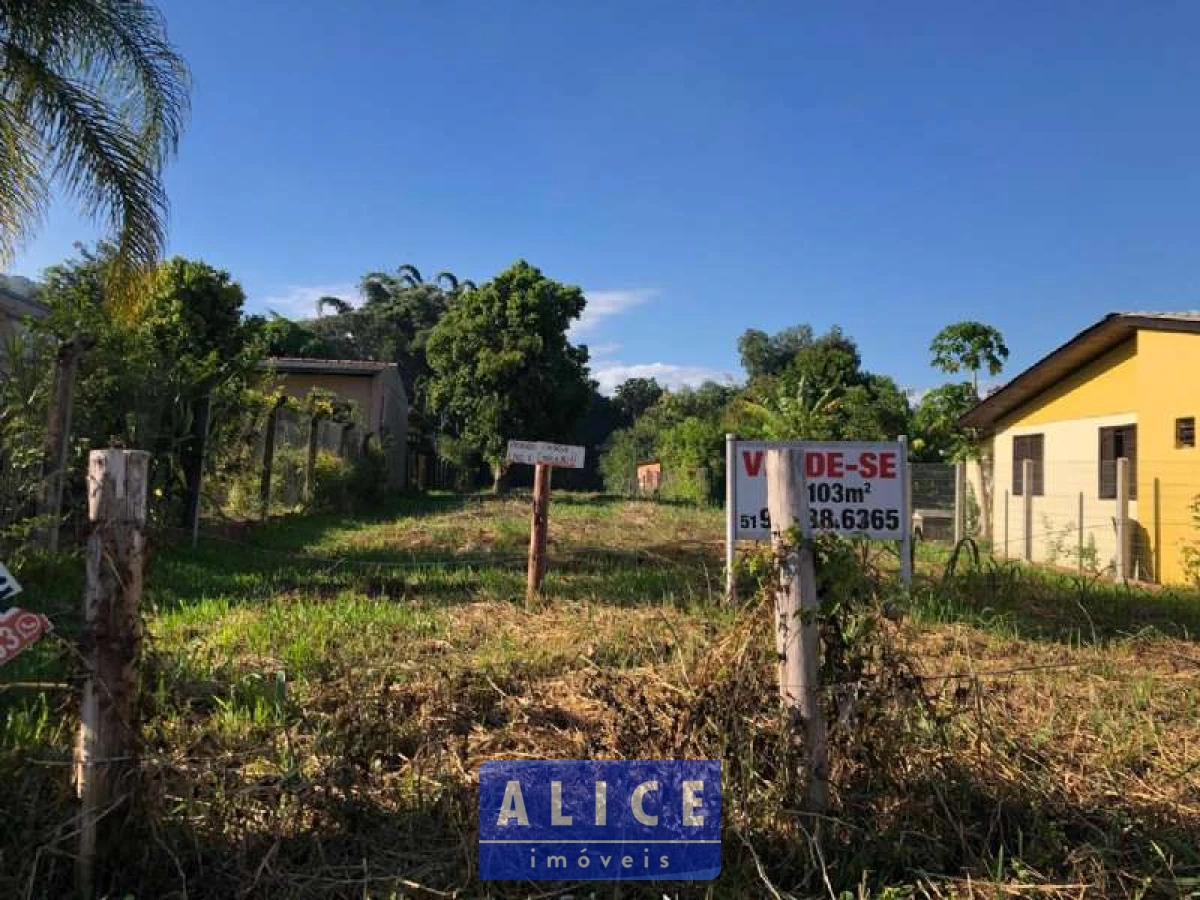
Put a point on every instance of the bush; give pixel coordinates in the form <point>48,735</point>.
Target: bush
<point>354,486</point>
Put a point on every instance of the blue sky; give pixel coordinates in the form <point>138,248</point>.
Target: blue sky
<point>702,167</point>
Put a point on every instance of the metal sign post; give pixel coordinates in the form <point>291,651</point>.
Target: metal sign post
<point>730,516</point>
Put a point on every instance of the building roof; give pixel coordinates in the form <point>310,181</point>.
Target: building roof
<point>1109,332</point>
<point>295,365</point>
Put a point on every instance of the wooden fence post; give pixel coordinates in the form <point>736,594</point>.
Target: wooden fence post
<point>111,645</point>
<point>1027,507</point>
<point>537,532</point>
<point>1122,567</point>
<point>310,467</point>
<point>202,412</point>
<point>422,472</point>
<point>960,501</point>
<point>797,628</point>
<point>58,440</point>
<point>264,485</point>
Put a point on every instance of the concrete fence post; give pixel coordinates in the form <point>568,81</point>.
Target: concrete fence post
<point>1006,524</point>
<point>1121,571</point>
<point>1027,507</point>
<point>960,501</point>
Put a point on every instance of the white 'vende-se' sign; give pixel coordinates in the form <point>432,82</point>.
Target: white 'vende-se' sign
<point>851,487</point>
<point>531,453</point>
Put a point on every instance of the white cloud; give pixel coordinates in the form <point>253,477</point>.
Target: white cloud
<point>300,301</point>
<point>668,375</point>
<point>604,351</point>
<point>603,305</point>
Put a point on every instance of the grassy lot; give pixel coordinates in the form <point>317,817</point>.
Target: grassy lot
<point>321,691</point>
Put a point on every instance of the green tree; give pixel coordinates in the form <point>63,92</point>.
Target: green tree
<point>766,355</point>
<point>937,436</point>
<point>874,410</point>
<point>503,367</point>
<point>831,360</point>
<point>143,381</point>
<point>971,347</point>
<point>636,395</point>
<point>93,98</point>
<point>285,337</point>
<point>691,451</point>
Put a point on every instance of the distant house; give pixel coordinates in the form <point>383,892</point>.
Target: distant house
<point>374,387</point>
<point>649,477</point>
<point>1127,387</point>
<point>16,304</point>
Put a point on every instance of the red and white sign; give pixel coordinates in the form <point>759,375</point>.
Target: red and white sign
<point>563,456</point>
<point>853,488</point>
<point>19,629</point>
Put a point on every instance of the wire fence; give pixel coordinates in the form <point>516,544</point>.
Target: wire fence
<point>1072,517</point>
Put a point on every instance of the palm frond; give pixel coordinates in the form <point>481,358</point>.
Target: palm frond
<point>23,190</point>
<point>106,97</point>
<point>409,275</point>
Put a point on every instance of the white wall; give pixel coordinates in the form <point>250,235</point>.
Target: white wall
<point>1072,466</point>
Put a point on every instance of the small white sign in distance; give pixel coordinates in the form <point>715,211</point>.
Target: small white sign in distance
<point>8,584</point>
<point>530,453</point>
<point>854,488</point>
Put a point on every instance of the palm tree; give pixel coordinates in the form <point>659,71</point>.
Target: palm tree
<point>409,276</point>
<point>449,279</point>
<point>93,97</point>
<point>337,304</point>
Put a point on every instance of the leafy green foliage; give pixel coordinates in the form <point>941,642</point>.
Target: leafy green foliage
<point>821,392</point>
<point>284,337</point>
<point>140,381</point>
<point>765,355</point>
<point>684,431</point>
<point>636,395</point>
<point>503,367</point>
<point>969,346</point>
<point>25,361</point>
<point>1191,551</point>
<point>937,435</point>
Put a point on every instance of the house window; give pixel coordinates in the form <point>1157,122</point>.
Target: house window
<point>1185,432</point>
<point>1031,447</point>
<point>1115,443</point>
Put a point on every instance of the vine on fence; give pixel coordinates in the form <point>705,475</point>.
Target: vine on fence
<point>874,694</point>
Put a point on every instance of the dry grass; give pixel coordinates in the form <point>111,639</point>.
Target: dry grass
<point>1038,766</point>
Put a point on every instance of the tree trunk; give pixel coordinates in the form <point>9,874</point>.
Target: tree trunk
<point>499,478</point>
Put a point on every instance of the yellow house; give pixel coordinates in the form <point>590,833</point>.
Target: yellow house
<point>1129,386</point>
